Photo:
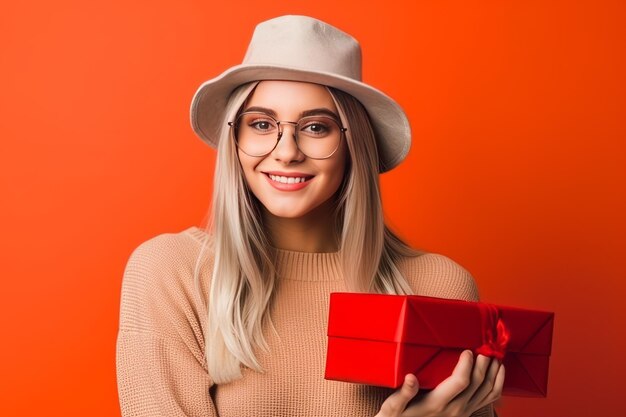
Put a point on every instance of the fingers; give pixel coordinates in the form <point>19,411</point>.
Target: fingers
<point>480,371</point>
<point>395,404</point>
<point>457,382</point>
<point>484,382</point>
<point>496,391</point>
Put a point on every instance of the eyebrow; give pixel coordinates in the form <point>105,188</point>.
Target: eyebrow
<point>311,112</point>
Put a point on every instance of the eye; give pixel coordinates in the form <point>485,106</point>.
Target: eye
<point>260,124</point>
<point>316,128</point>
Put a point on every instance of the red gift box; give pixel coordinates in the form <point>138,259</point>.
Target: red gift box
<point>377,339</point>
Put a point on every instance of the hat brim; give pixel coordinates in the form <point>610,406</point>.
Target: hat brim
<point>389,121</point>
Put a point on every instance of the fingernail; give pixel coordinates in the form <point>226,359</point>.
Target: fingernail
<point>410,382</point>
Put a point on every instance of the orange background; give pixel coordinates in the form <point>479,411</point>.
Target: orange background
<point>517,169</point>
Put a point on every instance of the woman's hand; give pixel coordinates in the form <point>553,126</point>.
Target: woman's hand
<point>461,394</point>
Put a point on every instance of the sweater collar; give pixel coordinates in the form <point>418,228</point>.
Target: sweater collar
<point>308,266</point>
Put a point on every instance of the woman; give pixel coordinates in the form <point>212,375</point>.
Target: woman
<point>230,321</point>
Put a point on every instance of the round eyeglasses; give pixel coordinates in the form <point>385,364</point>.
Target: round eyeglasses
<point>257,134</point>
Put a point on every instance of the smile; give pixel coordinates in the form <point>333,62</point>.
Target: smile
<point>288,180</point>
<point>283,183</point>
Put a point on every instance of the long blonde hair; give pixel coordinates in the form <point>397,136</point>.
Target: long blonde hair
<point>244,277</point>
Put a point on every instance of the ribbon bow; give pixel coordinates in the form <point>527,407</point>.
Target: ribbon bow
<point>494,342</point>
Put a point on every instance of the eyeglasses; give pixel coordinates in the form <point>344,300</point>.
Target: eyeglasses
<point>258,134</point>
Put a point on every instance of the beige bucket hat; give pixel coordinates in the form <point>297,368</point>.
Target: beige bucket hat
<point>302,48</point>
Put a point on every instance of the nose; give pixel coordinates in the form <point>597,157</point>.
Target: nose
<point>286,149</point>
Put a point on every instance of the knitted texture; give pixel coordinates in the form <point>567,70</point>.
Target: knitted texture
<point>161,369</point>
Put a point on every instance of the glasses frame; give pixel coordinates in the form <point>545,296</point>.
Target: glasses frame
<point>279,123</point>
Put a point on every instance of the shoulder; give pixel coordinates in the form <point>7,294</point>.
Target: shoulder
<point>170,249</point>
<point>163,260</point>
<point>436,275</point>
<point>165,279</point>
<point>165,246</point>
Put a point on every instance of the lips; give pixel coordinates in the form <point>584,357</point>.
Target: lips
<point>291,181</point>
<point>288,180</point>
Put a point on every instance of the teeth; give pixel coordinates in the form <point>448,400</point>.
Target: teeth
<point>287,180</point>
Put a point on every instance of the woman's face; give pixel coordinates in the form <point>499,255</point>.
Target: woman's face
<point>288,99</point>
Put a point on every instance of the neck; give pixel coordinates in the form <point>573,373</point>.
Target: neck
<point>310,233</point>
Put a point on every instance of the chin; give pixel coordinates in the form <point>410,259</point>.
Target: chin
<point>318,209</point>
<point>288,213</point>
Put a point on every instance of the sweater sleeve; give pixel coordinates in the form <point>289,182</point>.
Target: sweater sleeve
<point>160,348</point>
<point>437,275</point>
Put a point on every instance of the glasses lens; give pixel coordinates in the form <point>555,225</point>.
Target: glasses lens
<point>256,133</point>
<point>318,136</point>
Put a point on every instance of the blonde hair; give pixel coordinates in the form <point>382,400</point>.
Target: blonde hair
<point>243,278</point>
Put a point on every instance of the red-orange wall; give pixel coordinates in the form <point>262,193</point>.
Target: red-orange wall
<point>517,170</point>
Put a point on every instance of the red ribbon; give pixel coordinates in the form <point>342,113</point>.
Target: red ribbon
<point>495,333</point>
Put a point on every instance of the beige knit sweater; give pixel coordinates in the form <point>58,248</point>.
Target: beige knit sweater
<point>160,346</point>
